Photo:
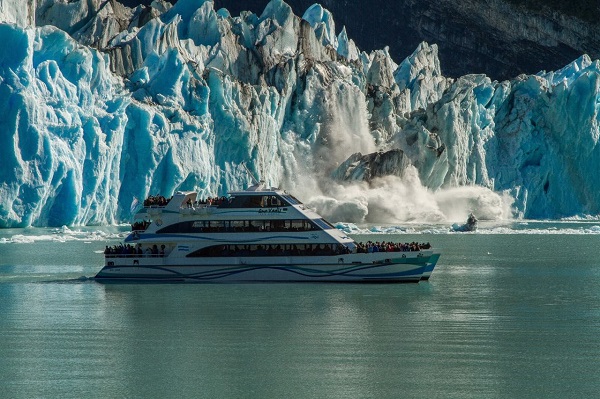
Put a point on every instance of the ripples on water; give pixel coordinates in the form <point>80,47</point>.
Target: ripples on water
<point>512,315</point>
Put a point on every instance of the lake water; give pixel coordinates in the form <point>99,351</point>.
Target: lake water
<point>512,311</point>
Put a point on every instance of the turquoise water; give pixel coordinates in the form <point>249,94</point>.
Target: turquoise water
<point>512,315</point>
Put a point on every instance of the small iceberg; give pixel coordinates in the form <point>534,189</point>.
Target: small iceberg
<point>471,224</point>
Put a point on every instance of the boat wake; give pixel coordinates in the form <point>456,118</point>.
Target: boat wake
<point>77,280</point>
<point>44,278</point>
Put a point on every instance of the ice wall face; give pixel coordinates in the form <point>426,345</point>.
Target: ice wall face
<point>188,98</point>
<point>62,130</point>
<point>179,98</point>
<point>535,136</point>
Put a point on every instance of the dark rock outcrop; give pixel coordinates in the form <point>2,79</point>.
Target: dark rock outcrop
<point>369,166</point>
<point>501,38</point>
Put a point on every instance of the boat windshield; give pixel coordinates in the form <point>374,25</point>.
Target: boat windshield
<point>323,224</point>
<point>291,199</point>
<point>255,201</point>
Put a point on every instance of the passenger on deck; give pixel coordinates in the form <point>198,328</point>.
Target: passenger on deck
<point>155,200</point>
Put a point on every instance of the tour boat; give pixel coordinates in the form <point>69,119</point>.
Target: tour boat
<point>256,235</point>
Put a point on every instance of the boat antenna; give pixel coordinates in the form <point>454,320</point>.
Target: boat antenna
<point>254,180</point>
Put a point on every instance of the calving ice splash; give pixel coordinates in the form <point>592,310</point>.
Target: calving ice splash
<point>393,199</point>
<point>257,235</point>
<point>178,98</point>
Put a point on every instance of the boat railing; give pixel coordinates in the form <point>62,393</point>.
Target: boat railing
<point>136,251</point>
<point>154,206</point>
<point>134,255</point>
<point>197,208</point>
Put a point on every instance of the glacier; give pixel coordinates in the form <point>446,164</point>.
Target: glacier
<point>101,104</point>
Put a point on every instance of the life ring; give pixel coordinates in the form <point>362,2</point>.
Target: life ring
<point>158,222</point>
<point>404,255</point>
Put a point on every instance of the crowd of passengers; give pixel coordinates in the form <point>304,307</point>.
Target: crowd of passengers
<point>377,246</point>
<point>271,250</point>
<point>159,200</point>
<point>135,251</point>
<point>156,200</point>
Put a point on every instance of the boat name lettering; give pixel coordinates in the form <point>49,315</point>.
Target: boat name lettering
<point>198,224</point>
<point>272,210</point>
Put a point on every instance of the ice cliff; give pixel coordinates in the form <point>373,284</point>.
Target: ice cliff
<point>101,103</point>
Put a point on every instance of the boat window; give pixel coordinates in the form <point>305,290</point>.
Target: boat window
<point>183,227</point>
<point>323,224</point>
<point>140,225</point>
<point>241,226</point>
<point>278,225</point>
<point>246,201</point>
<point>256,201</point>
<point>216,225</point>
<point>290,199</point>
<point>214,250</point>
<point>300,249</point>
<point>302,225</point>
<point>274,200</point>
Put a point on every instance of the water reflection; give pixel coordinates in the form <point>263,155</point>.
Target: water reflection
<point>523,324</point>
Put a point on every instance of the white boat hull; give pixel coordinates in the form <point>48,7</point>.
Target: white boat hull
<point>345,268</point>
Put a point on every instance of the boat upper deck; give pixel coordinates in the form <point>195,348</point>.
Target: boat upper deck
<point>271,200</point>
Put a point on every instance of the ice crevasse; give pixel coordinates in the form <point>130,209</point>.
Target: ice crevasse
<point>94,113</point>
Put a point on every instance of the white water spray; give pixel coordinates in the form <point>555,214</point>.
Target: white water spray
<point>394,200</point>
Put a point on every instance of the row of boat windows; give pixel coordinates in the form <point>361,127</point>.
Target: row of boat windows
<point>227,250</point>
<point>244,226</point>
